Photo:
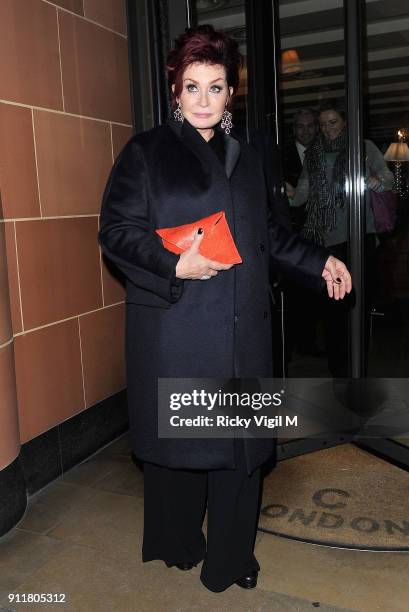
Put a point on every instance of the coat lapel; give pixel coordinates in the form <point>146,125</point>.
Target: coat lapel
<point>232,148</point>
<point>191,137</point>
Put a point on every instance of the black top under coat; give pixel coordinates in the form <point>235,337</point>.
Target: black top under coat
<point>217,144</point>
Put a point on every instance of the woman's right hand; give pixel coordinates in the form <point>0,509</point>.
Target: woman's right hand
<point>193,266</point>
<point>290,190</point>
<point>374,183</point>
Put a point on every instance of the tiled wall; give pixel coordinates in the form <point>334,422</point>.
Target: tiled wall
<point>64,115</point>
<point>9,429</point>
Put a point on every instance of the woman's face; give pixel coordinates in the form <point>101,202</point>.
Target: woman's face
<point>331,124</point>
<point>204,95</point>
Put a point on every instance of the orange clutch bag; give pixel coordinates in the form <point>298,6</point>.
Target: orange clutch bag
<point>217,243</point>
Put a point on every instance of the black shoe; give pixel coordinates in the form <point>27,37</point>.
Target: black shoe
<point>181,566</point>
<point>249,581</point>
<point>184,566</point>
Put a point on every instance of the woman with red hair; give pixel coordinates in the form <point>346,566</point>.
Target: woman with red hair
<point>188,316</point>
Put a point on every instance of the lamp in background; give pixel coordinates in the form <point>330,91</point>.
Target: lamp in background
<point>290,62</point>
<point>398,152</point>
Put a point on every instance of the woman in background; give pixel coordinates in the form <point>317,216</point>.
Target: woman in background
<point>321,187</point>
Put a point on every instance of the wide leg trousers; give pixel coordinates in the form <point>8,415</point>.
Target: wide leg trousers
<point>174,509</point>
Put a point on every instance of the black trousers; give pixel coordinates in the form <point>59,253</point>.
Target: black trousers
<point>174,509</point>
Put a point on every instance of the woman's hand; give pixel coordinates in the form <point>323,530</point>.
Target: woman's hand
<point>337,277</point>
<point>374,182</point>
<point>290,190</point>
<point>193,266</point>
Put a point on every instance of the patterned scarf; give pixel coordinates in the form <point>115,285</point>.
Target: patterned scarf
<point>324,198</point>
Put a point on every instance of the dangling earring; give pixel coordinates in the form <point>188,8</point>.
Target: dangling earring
<point>177,114</point>
<point>226,123</point>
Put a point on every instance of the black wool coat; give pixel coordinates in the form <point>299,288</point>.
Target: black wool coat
<point>170,176</point>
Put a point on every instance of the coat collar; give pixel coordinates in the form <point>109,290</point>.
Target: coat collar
<point>186,132</point>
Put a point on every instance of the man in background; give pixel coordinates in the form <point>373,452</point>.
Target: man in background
<point>305,129</point>
<point>301,328</point>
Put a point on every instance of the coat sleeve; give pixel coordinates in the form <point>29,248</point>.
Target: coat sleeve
<point>301,261</point>
<point>127,236</point>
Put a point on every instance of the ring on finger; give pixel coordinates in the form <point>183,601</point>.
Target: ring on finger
<point>205,277</point>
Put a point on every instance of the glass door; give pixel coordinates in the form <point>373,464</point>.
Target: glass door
<point>314,154</point>
<point>313,101</point>
<point>386,125</point>
<point>354,168</point>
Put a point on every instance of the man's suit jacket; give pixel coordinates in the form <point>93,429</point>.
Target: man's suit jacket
<point>292,165</point>
<point>292,168</point>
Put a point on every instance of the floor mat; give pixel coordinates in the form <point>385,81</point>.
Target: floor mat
<point>340,496</point>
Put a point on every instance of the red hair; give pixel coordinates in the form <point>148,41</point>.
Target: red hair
<point>204,45</point>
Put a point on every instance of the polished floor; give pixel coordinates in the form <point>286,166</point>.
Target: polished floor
<point>81,536</point>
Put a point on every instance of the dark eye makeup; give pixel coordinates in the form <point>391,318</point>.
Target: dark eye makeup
<point>213,88</point>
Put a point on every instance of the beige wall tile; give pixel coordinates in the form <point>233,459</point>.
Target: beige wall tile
<point>94,69</point>
<point>5,315</point>
<point>59,269</point>
<point>49,377</point>
<point>110,13</point>
<point>17,163</point>
<point>103,353</point>
<point>9,429</point>
<point>29,55</point>
<point>74,159</point>
<point>76,6</point>
<point>120,136</point>
<point>13,278</point>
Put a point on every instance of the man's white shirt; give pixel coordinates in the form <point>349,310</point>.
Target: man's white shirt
<point>301,150</point>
